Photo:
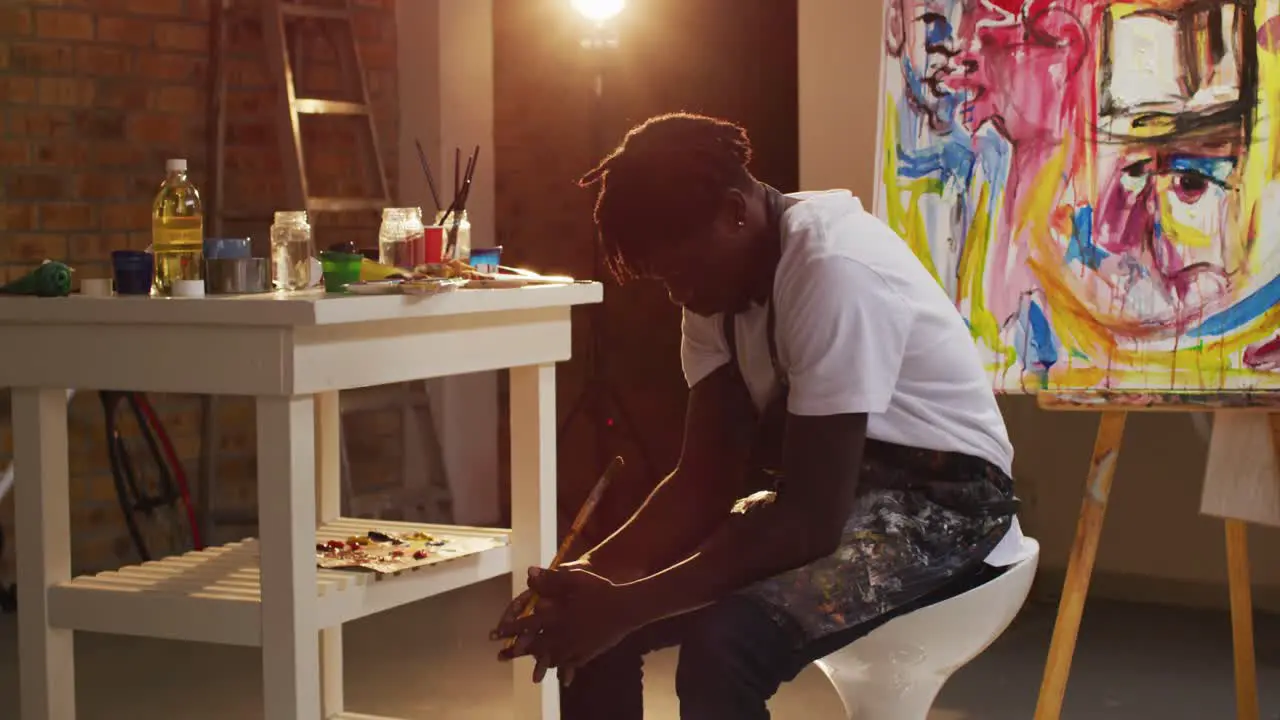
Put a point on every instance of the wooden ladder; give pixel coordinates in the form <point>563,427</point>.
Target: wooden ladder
<point>282,24</point>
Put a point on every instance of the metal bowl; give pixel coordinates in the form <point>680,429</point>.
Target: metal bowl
<point>237,276</point>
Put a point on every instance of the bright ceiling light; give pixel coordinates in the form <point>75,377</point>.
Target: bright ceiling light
<point>599,10</point>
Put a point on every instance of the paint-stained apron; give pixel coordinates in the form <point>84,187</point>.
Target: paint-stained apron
<point>921,519</point>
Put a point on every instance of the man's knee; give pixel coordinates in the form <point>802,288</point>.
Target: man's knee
<point>734,645</point>
<point>710,646</point>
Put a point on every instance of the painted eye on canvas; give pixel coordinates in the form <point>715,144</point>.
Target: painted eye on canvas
<point>1193,209</point>
<point>1189,187</point>
<point>937,29</point>
<point>1135,176</point>
<point>1191,190</point>
<point>1192,177</point>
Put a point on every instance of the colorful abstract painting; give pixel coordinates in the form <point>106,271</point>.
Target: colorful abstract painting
<point>1097,184</point>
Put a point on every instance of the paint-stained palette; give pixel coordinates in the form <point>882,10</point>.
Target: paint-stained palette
<point>1096,183</point>
<point>383,552</point>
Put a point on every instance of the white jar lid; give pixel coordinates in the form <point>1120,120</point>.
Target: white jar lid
<point>96,287</point>
<point>188,288</point>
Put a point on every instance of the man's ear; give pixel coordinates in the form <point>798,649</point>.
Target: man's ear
<point>733,210</point>
<point>895,28</point>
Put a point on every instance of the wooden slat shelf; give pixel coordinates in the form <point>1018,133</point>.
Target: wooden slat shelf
<point>214,595</point>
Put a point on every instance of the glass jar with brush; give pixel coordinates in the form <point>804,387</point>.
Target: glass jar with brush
<point>457,234</point>
<point>293,250</point>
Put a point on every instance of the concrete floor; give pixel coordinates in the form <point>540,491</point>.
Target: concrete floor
<point>432,660</point>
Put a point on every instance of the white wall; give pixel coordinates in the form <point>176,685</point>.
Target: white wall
<point>839,78</point>
<point>446,101</point>
<point>1155,545</point>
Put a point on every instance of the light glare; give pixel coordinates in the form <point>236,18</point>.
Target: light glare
<point>599,10</point>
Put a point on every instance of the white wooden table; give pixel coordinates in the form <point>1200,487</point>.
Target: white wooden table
<point>293,354</point>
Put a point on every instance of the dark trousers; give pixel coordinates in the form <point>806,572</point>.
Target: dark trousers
<point>733,658</point>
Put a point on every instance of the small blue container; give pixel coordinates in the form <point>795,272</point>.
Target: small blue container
<point>227,248</point>
<point>133,270</point>
<point>486,260</point>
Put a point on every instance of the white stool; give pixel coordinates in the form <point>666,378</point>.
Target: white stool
<point>896,671</point>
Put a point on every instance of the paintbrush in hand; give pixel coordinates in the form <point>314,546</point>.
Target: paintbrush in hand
<point>571,539</point>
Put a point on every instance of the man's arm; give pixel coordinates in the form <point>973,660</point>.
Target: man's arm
<point>696,497</point>
<point>822,457</point>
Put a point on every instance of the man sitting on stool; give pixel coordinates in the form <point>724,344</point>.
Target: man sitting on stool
<point>834,385</point>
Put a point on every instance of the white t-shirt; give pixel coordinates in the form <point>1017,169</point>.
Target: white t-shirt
<point>861,327</point>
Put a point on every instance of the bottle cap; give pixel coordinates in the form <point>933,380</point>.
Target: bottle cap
<point>95,287</point>
<point>176,165</point>
<point>188,288</point>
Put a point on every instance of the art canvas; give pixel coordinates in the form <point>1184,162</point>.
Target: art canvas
<point>1096,184</point>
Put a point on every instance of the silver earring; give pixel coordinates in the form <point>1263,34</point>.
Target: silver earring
<point>742,223</point>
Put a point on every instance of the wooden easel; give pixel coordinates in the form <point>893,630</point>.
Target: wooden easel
<point>1242,484</point>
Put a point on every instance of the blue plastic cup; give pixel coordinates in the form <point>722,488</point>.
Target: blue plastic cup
<point>133,271</point>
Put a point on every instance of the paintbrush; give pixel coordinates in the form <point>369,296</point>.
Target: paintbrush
<point>431,181</point>
<point>465,193</point>
<point>461,190</point>
<point>457,166</point>
<point>575,530</point>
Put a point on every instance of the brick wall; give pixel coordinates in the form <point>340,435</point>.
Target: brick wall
<point>94,96</point>
<point>729,58</point>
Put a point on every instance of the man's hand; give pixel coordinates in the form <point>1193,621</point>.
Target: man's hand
<point>578,615</point>
<point>516,607</point>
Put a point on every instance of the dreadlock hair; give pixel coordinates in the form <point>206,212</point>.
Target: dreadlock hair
<point>664,184</point>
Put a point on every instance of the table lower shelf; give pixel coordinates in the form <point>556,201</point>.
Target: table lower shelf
<point>214,595</point>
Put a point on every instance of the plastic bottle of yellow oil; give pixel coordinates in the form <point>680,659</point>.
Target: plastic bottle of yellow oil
<point>177,230</point>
